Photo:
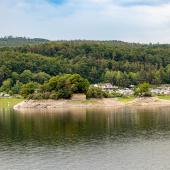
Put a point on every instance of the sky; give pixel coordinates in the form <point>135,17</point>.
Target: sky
<point>144,21</point>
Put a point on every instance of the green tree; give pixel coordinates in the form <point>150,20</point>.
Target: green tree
<point>41,77</point>
<point>16,89</point>
<point>6,85</point>
<point>168,73</point>
<point>65,85</point>
<point>157,78</point>
<point>15,77</point>
<point>120,79</point>
<point>143,90</point>
<point>28,89</point>
<point>26,76</point>
<point>79,84</point>
<point>95,92</point>
<point>4,73</point>
<point>109,77</point>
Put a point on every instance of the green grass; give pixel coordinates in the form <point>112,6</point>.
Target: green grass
<point>165,97</point>
<point>9,102</point>
<point>126,99</point>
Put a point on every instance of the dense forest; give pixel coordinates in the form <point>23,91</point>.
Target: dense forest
<point>11,41</point>
<point>116,62</point>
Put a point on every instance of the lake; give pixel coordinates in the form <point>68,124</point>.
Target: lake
<point>81,139</point>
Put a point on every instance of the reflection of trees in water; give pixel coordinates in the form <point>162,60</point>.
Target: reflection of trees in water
<point>82,124</point>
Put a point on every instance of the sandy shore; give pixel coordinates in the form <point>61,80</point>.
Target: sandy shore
<point>93,103</point>
<point>54,104</point>
<point>149,102</point>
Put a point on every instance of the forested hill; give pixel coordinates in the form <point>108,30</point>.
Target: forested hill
<point>99,61</point>
<point>19,41</point>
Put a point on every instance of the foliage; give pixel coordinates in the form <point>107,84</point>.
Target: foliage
<point>6,85</point>
<point>57,87</point>
<point>116,62</point>
<point>126,99</point>
<point>28,89</point>
<point>26,76</point>
<point>18,41</point>
<point>95,92</point>
<point>16,87</point>
<point>41,77</point>
<point>115,94</point>
<point>67,84</point>
<point>143,90</point>
<point>164,97</point>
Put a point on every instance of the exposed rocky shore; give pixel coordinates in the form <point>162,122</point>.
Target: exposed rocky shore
<point>54,104</point>
<point>94,103</point>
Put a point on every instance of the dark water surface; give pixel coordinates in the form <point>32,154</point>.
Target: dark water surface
<point>80,139</point>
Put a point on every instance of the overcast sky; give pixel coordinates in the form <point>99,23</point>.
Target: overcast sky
<point>126,20</point>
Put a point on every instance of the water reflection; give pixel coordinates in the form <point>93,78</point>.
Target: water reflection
<point>74,125</point>
<point>124,138</point>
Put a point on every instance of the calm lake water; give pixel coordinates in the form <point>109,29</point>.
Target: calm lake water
<point>80,139</point>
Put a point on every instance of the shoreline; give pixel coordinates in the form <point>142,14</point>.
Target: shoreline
<point>92,103</point>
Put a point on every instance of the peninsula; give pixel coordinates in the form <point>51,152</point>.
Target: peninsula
<point>92,103</point>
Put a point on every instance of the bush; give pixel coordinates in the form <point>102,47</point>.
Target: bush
<point>148,94</point>
<point>46,95</point>
<point>28,89</point>
<point>143,90</point>
<point>95,92</point>
<point>16,88</point>
<point>114,94</point>
<point>64,93</point>
<point>65,85</point>
<point>54,96</point>
<point>79,84</point>
<point>35,96</point>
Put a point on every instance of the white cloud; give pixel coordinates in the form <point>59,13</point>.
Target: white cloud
<point>85,19</point>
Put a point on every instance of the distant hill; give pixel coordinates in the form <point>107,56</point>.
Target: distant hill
<point>116,62</point>
<point>20,41</point>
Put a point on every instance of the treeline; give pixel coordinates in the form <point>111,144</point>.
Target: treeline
<point>14,84</point>
<point>42,86</point>
<point>58,87</point>
<point>116,62</point>
<point>10,41</point>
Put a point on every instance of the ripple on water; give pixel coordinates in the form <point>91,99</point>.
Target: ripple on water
<point>126,139</point>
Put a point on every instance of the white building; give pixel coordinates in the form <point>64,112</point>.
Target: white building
<point>125,91</point>
<point>160,91</point>
<point>106,86</point>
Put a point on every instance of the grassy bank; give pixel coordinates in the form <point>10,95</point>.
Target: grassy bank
<point>126,99</point>
<point>164,97</point>
<point>9,102</point>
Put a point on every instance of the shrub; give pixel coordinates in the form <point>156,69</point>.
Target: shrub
<point>46,95</point>
<point>95,92</point>
<point>65,85</point>
<point>28,89</point>
<point>64,93</point>
<point>54,96</point>
<point>36,96</point>
<point>143,90</point>
<point>115,94</point>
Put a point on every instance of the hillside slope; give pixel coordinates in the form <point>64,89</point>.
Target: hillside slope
<point>116,62</point>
